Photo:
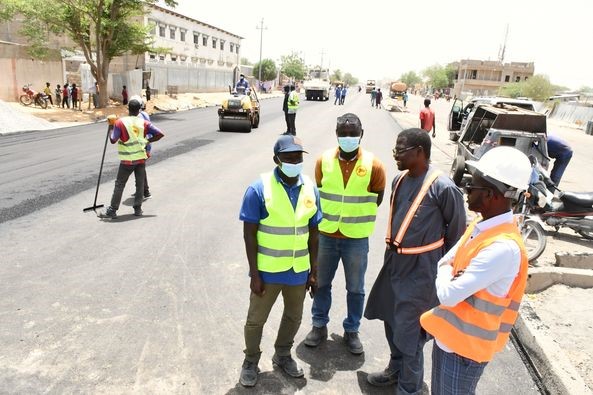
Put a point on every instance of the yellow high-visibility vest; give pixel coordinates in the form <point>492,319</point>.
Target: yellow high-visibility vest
<point>135,147</point>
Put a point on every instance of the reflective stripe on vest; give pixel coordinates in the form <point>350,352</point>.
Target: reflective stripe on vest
<point>135,147</point>
<point>283,236</point>
<point>479,326</point>
<point>403,228</point>
<point>351,209</point>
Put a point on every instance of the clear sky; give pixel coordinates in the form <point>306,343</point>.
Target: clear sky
<point>385,38</point>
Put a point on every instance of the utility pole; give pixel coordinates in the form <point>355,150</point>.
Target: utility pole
<point>261,38</point>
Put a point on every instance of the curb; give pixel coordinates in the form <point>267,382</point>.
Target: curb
<point>557,372</point>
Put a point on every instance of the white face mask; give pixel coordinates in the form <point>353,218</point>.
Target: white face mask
<point>291,170</point>
<point>349,144</point>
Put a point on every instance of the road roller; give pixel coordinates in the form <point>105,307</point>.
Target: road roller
<point>239,112</point>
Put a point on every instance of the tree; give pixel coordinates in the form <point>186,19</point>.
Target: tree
<point>268,70</point>
<point>410,78</point>
<point>439,77</point>
<point>349,79</point>
<point>513,90</point>
<point>293,66</point>
<point>538,88</point>
<point>336,76</point>
<point>102,29</point>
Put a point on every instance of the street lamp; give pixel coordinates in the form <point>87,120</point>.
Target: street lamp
<point>261,38</point>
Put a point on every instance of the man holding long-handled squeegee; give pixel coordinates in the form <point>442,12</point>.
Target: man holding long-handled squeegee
<point>131,134</point>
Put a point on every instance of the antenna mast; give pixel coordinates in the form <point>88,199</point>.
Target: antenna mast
<point>503,48</point>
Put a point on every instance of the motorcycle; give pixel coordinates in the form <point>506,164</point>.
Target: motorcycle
<point>545,204</point>
<point>30,96</point>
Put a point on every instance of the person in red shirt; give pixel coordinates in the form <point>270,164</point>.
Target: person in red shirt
<point>427,118</point>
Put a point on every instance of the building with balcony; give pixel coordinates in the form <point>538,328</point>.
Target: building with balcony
<point>485,77</point>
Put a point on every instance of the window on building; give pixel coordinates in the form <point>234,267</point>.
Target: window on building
<point>152,27</point>
<point>182,58</point>
<point>182,35</point>
<point>474,74</point>
<point>161,57</point>
<point>162,31</point>
<point>214,43</point>
<point>517,79</point>
<point>204,40</point>
<point>232,47</point>
<point>237,48</point>
<point>174,58</point>
<point>172,33</point>
<point>222,45</point>
<point>507,78</point>
<point>152,56</point>
<point>526,78</point>
<point>196,38</point>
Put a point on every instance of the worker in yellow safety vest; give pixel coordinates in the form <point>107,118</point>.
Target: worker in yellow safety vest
<point>293,106</point>
<point>481,280</point>
<point>351,184</point>
<point>427,217</point>
<point>280,214</point>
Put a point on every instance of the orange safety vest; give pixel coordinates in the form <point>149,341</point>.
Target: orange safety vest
<point>408,219</point>
<point>479,326</point>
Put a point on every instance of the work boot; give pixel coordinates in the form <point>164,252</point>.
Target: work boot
<point>316,336</point>
<point>353,342</point>
<point>289,365</point>
<point>147,195</point>
<point>138,211</point>
<point>249,372</point>
<point>383,379</point>
<point>108,213</point>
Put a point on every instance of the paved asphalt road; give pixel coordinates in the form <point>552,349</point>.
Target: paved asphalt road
<point>157,304</point>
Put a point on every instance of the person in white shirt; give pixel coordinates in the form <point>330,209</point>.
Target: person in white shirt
<point>481,280</point>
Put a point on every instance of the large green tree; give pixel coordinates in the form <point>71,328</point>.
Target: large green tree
<point>102,29</point>
<point>537,88</point>
<point>293,66</point>
<point>268,70</point>
<point>439,77</point>
<point>410,78</point>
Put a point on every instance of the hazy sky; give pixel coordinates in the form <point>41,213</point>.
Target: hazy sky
<point>377,39</point>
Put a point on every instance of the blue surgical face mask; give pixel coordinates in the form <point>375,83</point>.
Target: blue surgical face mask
<point>291,170</point>
<point>349,144</point>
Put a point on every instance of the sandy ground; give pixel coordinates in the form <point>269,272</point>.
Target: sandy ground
<point>566,312</point>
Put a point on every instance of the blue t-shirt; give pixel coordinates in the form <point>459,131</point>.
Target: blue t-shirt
<point>253,210</point>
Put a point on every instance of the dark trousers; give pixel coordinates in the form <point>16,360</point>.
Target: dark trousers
<point>560,164</point>
<point>51,101</point>
<point>65,102</point>
<point>410,368</point>
<point>453,374</point>
<point>287,122</point>
<point>290,122</point>
<point>123,174</point>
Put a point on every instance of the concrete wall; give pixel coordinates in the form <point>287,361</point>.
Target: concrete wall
<point>200,79</point>
<point>572,113</point>
<point>19,69</point>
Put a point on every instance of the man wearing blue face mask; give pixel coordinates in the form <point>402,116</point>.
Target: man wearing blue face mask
<point>280,214</point>
<point>351,182</point>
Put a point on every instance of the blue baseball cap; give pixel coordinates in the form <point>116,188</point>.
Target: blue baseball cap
<point>288,143</point>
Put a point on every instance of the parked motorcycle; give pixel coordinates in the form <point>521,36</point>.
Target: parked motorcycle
<point>545,204</point>
<point>30,96</point>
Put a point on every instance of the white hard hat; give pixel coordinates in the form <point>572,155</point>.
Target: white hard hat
<point>505,165</point>
<point>137,98</point>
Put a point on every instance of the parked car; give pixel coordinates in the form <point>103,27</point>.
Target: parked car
<point>460,114</point>
<point>491,126</point>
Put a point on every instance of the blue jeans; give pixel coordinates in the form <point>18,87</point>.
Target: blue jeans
<point>353,253</point>
<point>453,374</point>
<point>560,164</point>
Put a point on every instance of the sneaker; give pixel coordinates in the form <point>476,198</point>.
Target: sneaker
<point>353,342</point>
<point>316,336</point>
<point>138,211</point>
<point>289,365</point>
<point>147,195</point>
<point>109,213</point>
<point>383,379</point>
<point>249,372</point>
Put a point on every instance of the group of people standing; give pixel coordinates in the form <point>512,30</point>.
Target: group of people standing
<point>376,98</point>
<point>435,270</point>
<point>340,95</point>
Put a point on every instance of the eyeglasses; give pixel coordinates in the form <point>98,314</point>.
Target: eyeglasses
<point>348,120</point>
<point>401,151</point>
<point>469,188</point>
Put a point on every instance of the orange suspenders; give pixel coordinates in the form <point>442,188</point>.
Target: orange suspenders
<point>408,219</point>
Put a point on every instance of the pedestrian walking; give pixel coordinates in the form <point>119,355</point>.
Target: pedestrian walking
<point>58,94</point>
<point>131,134</point>
<point>74,97</point>
<point>66,95</point>
<point>338,95</point>
<point>343,95</point>
<point>293,106</point>
<point>481,280</point>
<point>95,93</point>
<point>124,95</point>
<point>285,107</point>
<point>148,92</point>
<point>405,99</point>
<point>373,97</point>
<point>427,120</point>
<point>48,93</point>
<point>427,217</point>
<point>378,98</point>
<point>351,184</point>
<point>280,214</point>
